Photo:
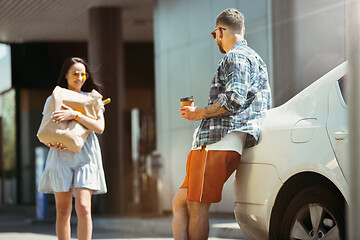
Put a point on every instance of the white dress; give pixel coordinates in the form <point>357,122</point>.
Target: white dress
<point>65,170</point>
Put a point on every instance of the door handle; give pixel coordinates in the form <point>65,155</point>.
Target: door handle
<point>340,135</point>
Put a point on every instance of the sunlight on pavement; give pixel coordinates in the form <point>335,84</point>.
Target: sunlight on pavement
<point>36,236</point>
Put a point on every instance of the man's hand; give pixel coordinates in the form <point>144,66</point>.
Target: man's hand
<point>192,113</point>
<point>196,113</point>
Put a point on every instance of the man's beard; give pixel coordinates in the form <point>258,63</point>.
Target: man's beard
<point>221,49</point>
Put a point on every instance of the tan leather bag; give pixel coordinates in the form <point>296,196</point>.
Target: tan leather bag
<point>69,133</point>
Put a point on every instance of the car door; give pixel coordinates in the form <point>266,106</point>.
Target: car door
<point>337,125</point>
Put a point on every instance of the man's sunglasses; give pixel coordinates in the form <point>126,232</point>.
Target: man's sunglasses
<point>76,74</point>
<point>214,32</point>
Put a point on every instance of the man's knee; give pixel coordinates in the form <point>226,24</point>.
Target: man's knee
<point>179,200</point>
<point>197,208</point>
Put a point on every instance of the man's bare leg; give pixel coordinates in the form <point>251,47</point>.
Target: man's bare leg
<point>180,221</point>
<point>198,220</point>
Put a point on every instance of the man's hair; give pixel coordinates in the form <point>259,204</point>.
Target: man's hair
<point>232,18</point>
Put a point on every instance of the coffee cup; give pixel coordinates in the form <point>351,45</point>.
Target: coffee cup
<point>187,101</point>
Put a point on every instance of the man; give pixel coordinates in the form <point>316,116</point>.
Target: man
<point>239,97</point>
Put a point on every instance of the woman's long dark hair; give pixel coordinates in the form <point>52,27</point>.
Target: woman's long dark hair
<point>89,84</point>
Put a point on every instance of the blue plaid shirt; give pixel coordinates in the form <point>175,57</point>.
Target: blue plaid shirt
<point>241,86</point>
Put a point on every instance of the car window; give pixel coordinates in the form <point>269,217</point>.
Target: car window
<point>342,85</point>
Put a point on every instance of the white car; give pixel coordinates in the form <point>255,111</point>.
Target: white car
<point>294,183</point>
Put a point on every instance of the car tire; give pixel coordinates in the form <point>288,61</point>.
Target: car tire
<point>317,210</point>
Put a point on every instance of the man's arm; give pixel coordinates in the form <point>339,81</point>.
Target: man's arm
<point>196,113</point>
<point>214,110</point>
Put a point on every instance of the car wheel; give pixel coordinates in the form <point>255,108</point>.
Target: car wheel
<point>314,213</point>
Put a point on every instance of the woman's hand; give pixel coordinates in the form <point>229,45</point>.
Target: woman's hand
<point>58,146</point>
<point>64,114</point>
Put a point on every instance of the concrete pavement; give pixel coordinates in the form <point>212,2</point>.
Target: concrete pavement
<point>221,227</point>
<point>19,223</point>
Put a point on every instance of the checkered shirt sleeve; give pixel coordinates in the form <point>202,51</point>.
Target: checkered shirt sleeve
<point>241,86</point>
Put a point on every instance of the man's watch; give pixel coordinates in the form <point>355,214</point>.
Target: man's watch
<point>78,116</point>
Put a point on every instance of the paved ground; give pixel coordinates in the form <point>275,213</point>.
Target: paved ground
<point>20,224</point>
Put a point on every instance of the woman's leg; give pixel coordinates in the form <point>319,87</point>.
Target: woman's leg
<point>63,201</point>
<point>83,211</point>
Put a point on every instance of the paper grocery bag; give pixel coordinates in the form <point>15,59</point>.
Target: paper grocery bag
<point>69,133</point>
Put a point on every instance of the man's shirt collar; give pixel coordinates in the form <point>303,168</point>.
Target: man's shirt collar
<point>239,44</point>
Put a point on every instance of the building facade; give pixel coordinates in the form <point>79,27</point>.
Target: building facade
<point>128,41</point>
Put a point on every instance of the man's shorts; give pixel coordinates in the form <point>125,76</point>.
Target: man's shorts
<point>206,173</point>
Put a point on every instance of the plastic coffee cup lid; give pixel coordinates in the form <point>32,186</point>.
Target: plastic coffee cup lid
<point>187,99</point>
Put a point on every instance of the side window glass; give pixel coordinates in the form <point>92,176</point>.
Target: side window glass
<point>342,85</point>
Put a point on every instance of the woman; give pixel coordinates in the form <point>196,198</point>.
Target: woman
<point>80,174</point>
